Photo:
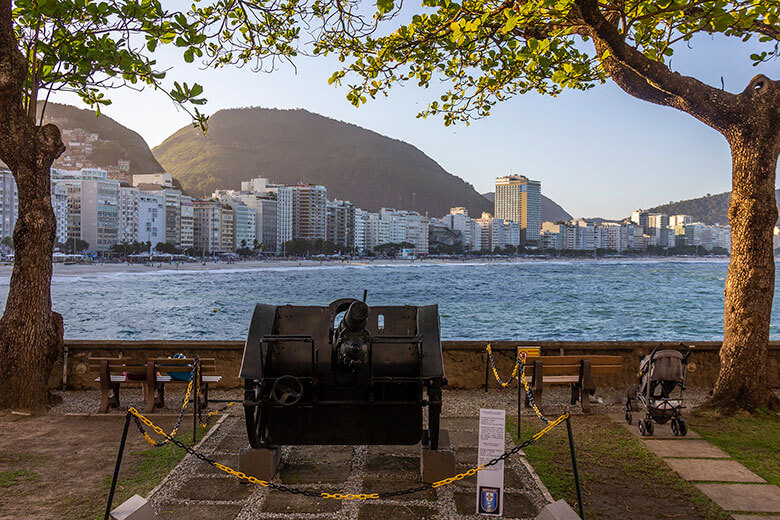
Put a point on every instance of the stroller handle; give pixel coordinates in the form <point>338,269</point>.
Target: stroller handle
<point>656,349</point>
<point>686,353</point>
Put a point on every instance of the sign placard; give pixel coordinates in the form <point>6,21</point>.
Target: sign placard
<point>490,481</point>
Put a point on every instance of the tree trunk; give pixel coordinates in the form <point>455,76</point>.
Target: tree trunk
<point>742,381</point>
<point>30,332</point>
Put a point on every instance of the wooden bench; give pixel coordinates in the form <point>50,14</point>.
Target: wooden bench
<point>577,371</point>
<point>208,374</point>
<point>152,375</point>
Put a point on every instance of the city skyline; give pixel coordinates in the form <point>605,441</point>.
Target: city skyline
<point>649,148</point>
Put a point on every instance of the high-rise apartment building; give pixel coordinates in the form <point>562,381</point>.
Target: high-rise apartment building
<point>187,223</point>
<point>341,223</point>
<point>93,206</point>
<point>161,179</point>
<point>172,210</point>
<point>59,202</point>
<point>9,204</point>
<point>310,210</point>
<point>128,214</point>
<point>151,218</point>
<point>207,226</point>
<point>519,199</point>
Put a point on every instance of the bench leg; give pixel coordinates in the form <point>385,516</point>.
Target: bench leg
<point>104,400</point>
<point>586,385</point>
<point>149,398</point>
<point>159,399</point>
<point>204,393</point>
<point>575,393</point>
<point>114,399</point>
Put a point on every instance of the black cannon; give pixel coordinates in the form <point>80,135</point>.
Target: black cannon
<point>342,374</point>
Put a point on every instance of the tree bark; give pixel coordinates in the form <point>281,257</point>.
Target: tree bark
<point>30,332</point>
<point>750,283</point>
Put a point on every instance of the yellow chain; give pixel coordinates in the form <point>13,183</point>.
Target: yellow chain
<point>531,402</point>
<point>183,406</point>
<point>514,370</point>
<point>215,412</point>
<point>347,496</point>
<point>473,471</point>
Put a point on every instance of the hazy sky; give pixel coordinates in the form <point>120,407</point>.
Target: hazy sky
<point>597,153</point>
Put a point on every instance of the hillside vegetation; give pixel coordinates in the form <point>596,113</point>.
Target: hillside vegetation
<point>291,146</point>
<point>121,143</point>
<point>710,209</point>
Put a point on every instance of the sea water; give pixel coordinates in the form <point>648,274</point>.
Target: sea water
<point>545,300</point>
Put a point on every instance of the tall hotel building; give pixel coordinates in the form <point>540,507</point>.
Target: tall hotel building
<point>519,199</point>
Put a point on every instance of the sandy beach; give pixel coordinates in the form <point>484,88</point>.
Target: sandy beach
<point>61,269</point>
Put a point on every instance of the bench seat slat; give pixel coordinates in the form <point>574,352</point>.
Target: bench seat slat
<point>560,379</point>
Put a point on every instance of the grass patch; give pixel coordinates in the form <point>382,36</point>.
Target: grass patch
<point>752,440</point>
<point>155,463</point>
<point>13,477</point>
<point>620,478</point>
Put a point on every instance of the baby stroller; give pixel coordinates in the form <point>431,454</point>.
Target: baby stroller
<point>660,374</point>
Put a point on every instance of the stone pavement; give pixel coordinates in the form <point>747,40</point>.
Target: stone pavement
<point>196,490</point>
<point>727,482</point>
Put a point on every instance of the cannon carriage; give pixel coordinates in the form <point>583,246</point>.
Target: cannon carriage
<point>345,374</point>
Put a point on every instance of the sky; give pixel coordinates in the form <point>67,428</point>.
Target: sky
<point>597,153</point>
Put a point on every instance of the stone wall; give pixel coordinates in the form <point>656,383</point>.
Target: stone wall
<point>464,361</point>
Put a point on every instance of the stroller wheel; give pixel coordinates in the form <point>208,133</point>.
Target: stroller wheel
<point>628,417</point>
<point>641,426</point>
<point>649,426</point>
<point>683,428</point>
<point>675,427</point>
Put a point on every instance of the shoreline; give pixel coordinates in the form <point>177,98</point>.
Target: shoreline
<point>62,270</point>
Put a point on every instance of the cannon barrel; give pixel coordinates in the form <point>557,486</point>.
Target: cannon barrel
<point>355,318</point>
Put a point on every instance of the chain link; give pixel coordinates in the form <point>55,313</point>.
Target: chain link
<point>193,376</point>
<point>495,370</point>
<point>346,496</point>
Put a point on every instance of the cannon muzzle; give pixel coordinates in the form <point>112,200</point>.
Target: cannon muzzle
<point>355,318</point>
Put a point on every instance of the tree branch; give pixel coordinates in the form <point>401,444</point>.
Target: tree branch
<point>651,80</point>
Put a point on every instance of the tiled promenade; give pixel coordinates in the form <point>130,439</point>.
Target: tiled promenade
<point>727,482</point>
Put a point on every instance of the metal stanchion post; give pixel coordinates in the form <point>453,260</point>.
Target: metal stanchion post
<point>116,469</point>
<point>575,470</point>
<point>195,402</point>
<point>519,401</point>
<point>487,370</point>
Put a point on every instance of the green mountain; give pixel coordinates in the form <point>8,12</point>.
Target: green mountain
<point>710,209</point>
<point>551,210</point>
<point>291,146</point>
<point>116,142</point>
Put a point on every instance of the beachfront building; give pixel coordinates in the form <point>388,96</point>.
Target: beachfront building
<point>641,218</point>
<point>263,204</point>
<point>341,224</point>
<point>93,206</point>
<point>186,223</point>
<point>59,203</point>
<point>207,226</point>
<point>680,220</point>
<point>9,203</point>
<point>519,199</point>
<point>129,197</point>
<point>309,212</point>
<point>172,198</point>
<point>151,218</point>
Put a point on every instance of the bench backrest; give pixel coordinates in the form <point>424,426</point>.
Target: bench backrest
<point>567,365</point>
<point>118,365</point>
<point>208,366</point>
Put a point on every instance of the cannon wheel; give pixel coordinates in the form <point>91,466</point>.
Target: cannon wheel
<point>256,420</point>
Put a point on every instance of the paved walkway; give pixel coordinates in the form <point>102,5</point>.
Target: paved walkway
<point>727,482</point>
<point>196,490</point>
